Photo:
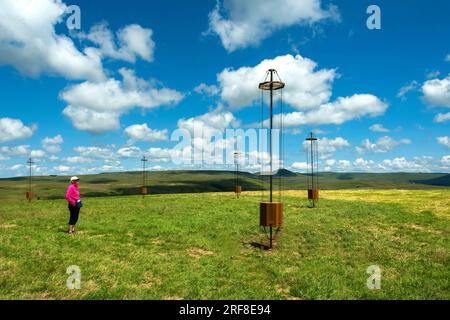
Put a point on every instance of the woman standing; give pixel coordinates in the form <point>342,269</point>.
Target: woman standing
<point>73,197</point>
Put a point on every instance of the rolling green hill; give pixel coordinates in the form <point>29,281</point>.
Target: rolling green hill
<point>170,182</point>
<point>443,181</point>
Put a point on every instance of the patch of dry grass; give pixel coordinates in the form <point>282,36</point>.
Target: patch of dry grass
<point>437,201</point>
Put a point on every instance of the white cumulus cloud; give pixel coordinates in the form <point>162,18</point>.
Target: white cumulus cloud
<point>209,90</point>
<point>445,141</point>
<point>30,43</point>
<point>446,161</point>
<point>209,122</point>
<point>378,128</point>
<point>52,145</point>
<point>251,21</point>
<point>305,88</point>
<point>129,152</point>
<point>97,106</point>
<point>300,166</point>
<point>412,86</point>
<point>399,164</point>
<point>78,160</point>
<point>402,164</point>
<point>18,151</point>
<point>17,167</point>
<point>141,132</point>
<point>436,92</point>
<point>383,145</point>
<point>94,152</point>
<point>133,41</point>
<point>337,112</point>
<point>14,129</point>
<point>328,147</point>
<point>442,117</point>
<point>62,168</point>
<point>92,121</point>
<point>37,153</point>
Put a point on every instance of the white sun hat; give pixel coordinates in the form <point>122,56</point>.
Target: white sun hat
<point>74,179</point>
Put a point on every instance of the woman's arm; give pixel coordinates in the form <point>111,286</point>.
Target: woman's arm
<point>70,196</point>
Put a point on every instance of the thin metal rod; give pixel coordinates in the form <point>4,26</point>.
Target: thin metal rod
<point>144,173</point>
<point>237,170</point>
<point>29,180</point>
<point>270,137</point>
<point>312,162</point>
<point>261,175</point>
<point>30,163</point>
<point>236,160</point>
<point>271,237</point>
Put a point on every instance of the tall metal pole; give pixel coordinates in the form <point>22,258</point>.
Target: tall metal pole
<point>270,211</point>
<point>144,161</point>
<point>270,133</point>
<point>312,161</point>
<point>30,164</point>
<point>237,187</point>
<point>271,152</point>
<point>237,170</point>
<point>312,168</point>
<point>29,178</point>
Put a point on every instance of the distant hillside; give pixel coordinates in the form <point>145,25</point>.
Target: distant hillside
<point>443,181</point>
<point>281,173</point>
<point>185,181</point>
<point>285,173</point>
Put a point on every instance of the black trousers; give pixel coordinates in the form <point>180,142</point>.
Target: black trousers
<point>74,212</point>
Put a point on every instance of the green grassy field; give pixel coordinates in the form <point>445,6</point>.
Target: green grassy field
<point>199,246</point>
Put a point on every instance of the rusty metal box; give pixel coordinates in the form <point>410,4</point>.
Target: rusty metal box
<point>271,214</point>
<point>313,194</point>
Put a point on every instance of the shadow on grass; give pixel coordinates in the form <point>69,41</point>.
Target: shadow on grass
<point>260,246</point>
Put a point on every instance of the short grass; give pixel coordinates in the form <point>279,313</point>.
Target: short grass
<point>198,246</point>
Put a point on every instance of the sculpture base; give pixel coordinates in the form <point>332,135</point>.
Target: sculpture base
<point>30,196</point>
<point>313,194</point>
<point>271,214</point>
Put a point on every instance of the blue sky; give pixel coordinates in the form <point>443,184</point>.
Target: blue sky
<point>388,89</point>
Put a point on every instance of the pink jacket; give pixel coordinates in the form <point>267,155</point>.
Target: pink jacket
<point>72,195</point>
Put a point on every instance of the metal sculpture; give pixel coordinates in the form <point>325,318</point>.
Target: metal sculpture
<point>237,186</point>
<point>271,212</point>
<point>313,169</point>
<point>144,189</point>
<point>30,194</point>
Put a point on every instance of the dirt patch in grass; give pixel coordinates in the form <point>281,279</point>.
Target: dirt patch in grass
<point>148,283</point>
<point>157,242</point>
<point>172,298</point>
<point>423,229</point>
<point>291,269</point>
<point>198,253</point>
<point>286,292</point>
<point>377,230</point>
<point>8,226</point>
